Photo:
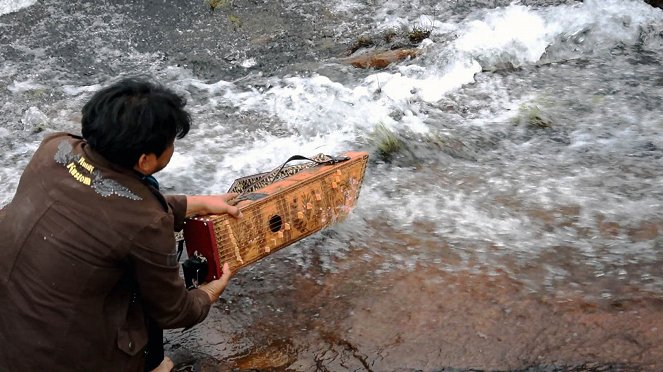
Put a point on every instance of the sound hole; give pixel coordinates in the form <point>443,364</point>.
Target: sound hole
<point>275,223</point>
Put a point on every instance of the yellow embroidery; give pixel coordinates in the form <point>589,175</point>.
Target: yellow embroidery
<point>78,167</point>
<point>78,176</point>
<point>83,163</point>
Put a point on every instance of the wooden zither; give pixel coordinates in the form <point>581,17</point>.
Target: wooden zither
<point>278,208</point>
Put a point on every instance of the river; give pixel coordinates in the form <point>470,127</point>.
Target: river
<point>516,224</point>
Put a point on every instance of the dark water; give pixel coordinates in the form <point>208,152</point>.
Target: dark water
<point>518,226</point>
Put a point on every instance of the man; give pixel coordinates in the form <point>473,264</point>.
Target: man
<point>87,250</point>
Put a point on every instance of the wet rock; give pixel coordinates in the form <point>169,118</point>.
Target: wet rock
<point>381,59</point>
<point>390,47</point>
<point>362,42</point>
<point>415,149</point>
<point>276,355</point>
<point>655,3</point>
<point>421,319</point>
<point>645,231</point>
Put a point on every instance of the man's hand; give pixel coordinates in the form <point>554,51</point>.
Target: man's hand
<point>216,287</point>
<point>197,205</point>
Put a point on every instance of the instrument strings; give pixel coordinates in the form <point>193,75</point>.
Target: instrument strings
<point>223,234</point>
<point>233,243</point>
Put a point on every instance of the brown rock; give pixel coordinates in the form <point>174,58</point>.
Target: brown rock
<point>382,59</point>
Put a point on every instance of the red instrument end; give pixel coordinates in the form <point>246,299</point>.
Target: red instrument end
<point>199,236</point>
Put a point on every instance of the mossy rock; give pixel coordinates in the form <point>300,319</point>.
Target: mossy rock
<point>391,39</point>
<point>533,117</point>
<point>213,4</point>
<point>417,35</point>
<point>235,21</point>
<point>362,42</point>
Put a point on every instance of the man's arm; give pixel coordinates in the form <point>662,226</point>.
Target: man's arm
<point>160,287</point>
<point>198,205</point>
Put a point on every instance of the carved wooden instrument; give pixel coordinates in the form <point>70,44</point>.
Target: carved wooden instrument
<point>277,214</point>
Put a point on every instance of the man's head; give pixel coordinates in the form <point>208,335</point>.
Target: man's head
<point>133,123</point>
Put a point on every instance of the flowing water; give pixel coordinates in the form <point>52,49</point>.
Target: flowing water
<point>515,221</point>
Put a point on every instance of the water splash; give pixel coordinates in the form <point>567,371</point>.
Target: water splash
<point>11,6</point>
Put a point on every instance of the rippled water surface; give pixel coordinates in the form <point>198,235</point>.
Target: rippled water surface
<point>518,222</point>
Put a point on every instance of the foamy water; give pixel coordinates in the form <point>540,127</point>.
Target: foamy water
<point>10,6</point>
<point>505,193</point>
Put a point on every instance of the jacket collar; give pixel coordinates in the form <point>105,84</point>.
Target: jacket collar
<point>149,181</point>
<point>101,161</point>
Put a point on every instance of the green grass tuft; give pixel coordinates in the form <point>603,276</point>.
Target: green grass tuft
<point>387,143</point>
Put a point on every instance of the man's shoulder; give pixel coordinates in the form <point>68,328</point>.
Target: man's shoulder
<point>51,141</point>
<point>54,136</point>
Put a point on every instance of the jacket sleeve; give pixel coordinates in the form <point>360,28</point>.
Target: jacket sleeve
<point>160,286</point>
<point>178,205</point>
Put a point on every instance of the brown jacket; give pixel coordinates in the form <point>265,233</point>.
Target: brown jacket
<point>86,252</point>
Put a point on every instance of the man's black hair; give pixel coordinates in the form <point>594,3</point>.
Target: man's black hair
<point>133,117</point>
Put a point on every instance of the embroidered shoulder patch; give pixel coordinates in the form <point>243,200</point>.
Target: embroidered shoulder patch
<point>85,173</point>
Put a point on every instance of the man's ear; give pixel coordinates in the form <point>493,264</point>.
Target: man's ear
<point>146,164</point>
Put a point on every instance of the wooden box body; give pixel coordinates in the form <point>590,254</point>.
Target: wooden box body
<point>286,211</point>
